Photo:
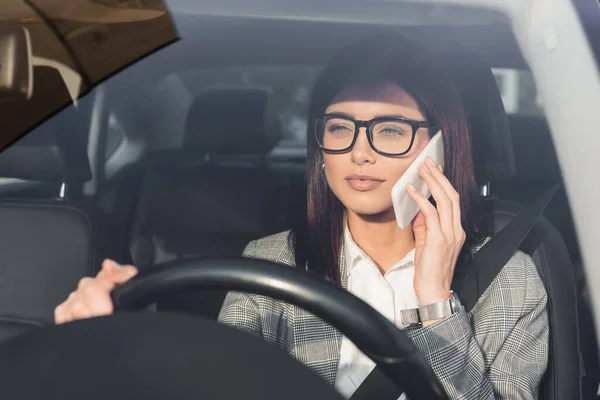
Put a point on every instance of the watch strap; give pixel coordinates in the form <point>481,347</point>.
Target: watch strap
<point>441,309</point>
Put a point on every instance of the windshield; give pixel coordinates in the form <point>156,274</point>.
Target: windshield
<point>162,136</point>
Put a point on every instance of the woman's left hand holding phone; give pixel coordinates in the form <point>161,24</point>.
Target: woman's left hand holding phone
<point>439,236</point>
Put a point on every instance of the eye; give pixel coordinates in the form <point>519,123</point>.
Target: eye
<point>339,127</point>
<point>392,129</point>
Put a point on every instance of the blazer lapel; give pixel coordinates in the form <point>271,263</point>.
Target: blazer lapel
<point>343,267</point>
<point>316,343</point>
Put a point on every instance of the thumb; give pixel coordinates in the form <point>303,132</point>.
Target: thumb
<point>117,273</point>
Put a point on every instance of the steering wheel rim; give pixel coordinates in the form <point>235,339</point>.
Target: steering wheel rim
<point>372,333</point>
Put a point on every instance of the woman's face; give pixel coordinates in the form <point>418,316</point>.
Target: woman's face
<point>361,178</point>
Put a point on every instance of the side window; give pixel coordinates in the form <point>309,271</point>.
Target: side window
<point>114,136</point>
<point>518,91</point>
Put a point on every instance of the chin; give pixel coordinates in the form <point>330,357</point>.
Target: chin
<point>370,209</point>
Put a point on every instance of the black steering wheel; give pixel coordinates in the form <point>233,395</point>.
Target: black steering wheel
<point>372,333</point>
<point>161,354</point>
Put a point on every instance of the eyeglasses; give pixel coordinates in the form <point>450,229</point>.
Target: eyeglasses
<point>389,136</point>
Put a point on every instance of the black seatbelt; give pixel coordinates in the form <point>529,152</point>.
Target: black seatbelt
<point>486,264</point>
<point>480,272</point>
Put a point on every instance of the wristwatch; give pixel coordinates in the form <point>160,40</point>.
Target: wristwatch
<point>441,309</point>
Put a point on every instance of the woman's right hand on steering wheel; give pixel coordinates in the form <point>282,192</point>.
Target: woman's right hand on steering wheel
<point>92,297</point>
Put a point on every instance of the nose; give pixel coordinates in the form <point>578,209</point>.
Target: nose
<point>362,152</point>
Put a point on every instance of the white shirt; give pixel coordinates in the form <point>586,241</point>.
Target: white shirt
<point>388,294</point>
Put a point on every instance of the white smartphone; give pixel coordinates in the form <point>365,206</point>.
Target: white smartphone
<point>404,206</point>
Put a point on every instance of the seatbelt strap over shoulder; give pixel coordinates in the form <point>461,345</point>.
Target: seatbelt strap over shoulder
<point>480,272</point>
<point>486,264</point>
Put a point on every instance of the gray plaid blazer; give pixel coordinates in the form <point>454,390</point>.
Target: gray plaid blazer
<point>498,350</point>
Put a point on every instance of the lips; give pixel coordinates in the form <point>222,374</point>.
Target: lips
<point>363,183</point>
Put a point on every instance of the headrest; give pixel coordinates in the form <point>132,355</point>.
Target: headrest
<point>56,150</point>
<point>206,200</point>
<point>228,120</point>
<point>535,154</point>
<point>490,130</point>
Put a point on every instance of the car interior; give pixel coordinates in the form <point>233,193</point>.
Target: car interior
<point>200,148</point>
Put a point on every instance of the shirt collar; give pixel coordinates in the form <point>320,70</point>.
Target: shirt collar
<point>354,254</point>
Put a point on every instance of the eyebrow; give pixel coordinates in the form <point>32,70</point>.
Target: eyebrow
<point>343,114</point>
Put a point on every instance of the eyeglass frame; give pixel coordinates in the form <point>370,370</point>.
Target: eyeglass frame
<point>416,125</point>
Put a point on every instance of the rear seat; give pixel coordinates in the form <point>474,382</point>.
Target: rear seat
<point>218,194</point>
<point>215,195</point>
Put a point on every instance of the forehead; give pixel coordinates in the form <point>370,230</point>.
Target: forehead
<point>370,100</point>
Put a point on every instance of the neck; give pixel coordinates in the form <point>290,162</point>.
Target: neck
<point>380,238</point>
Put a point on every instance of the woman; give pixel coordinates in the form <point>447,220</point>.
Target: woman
<point>374,109</point>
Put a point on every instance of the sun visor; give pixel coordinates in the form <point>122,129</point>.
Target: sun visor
<point>86,42</point>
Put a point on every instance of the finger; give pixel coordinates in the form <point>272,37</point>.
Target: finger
<point>419,220</point>
<point>60,314</point>
<point>117,273</point>
<point>108,270</point>
<point>454,196</point>
<point>99,305</point>
<point>84,283</point>
<point>105,270</point>
<point>77,309</point>
<point>94,294</point>
<point>419,229</point>
<point>444,204</point>
<point>429,211</point>
<point>97,299</point>
<point>91,285</point>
